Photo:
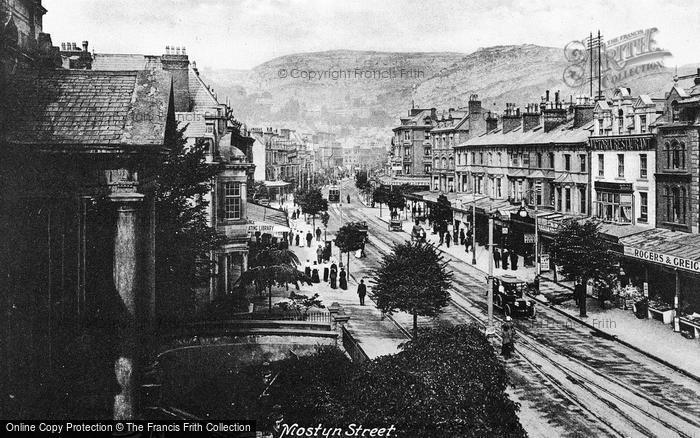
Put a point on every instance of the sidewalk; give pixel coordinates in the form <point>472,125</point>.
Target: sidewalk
<point>647,336</point>
<point>373,331</point>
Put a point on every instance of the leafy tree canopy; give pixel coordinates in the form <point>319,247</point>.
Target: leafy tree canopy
<point>446,382</point>
<point>440,212</point>
<point>412,278</point>
<point>582,252</point>
<point>350,237</point>
<point>183,235</point>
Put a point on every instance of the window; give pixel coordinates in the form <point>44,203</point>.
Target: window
<point>676,154</point>
<point>567,200</point>
<point>642,124</point>
<point>481,158</point>
<point>551,160</point>
<point>210,128</point>
<point>621,165</point>
<point>407,152</point>
<point>539,160</point>
<point>643,206</point>
<point>498,156</point>
<point>674,111</point>
<point>675,204</point>
<point>558,198</point>
<point>426,151</point>
<point>567,162</point>
<point>498,188</point>
<point>232,200</point>
<point>428,168</point>
<point>490,163</point>
<point>473,158</point>
<point>620,120</point>
<point>582,162</point>
<point>643,166</point>
<point>667,153</point>
<point>407,170</point>
<point>407,135</point>
<point>614,207</point>
<point>601,165</point>
<point>427,135</point>
<point>582,199</point>
<point>515,160</point>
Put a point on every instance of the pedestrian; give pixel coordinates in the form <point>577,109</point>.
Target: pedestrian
<point>348,199</point>
<point>461,236</point>
<point>455,236</point>
<point>257,236</point>
<point>514,260</point>
<point>497,258</point>
<point>307,268</point>
<point>413,211</point>
<point>362,291</point>
<point>505,257</point>
<point>468,240</point>
<point>291,238</point>
<point>536,283</point>
<point>333,274</point>
<point>318,234</point>
<point>580,297</point>
<point>319,254</point>
<point>343,279</point>
<point>314,274</point>
<point>448,238</point>
<point>296,239</point>
<point>309,238</point>
<point>442,236</point>
<point>325,274</point>
<point>508,336</point>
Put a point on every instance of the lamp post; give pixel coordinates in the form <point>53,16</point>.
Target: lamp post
<point>522,212</point>
<point>473,228</point>
<point>490,330</point>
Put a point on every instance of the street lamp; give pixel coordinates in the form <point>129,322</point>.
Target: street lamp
<point>522,212</point>
<point>490,329</point>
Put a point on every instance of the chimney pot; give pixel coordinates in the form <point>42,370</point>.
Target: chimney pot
<point>547,96</point>
<point>85,46</point>
<point>556,96</point>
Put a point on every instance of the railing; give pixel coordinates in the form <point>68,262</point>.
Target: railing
<point>357,354</point>
<point>278,315</point>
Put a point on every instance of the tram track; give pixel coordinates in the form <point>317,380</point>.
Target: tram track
<point>584,386</point>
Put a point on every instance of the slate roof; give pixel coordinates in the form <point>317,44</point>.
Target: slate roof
<point>87,108</point>
<point>563,134</point>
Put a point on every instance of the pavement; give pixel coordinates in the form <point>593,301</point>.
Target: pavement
<point>650,337</point>
<point>375,333</point>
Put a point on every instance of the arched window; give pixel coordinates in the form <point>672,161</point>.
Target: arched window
<point>667,151</point>
<point>674,111</point>
<point>452,163</point>
<point>620,120</point>
<point>681,148</point>
<point>444,163</point>
<point>678,155</point>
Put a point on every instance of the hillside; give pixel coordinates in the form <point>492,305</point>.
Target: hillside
<point>365,92</point>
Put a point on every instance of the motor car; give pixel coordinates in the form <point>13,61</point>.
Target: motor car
<point>509,296</point>
<point>395,225</point>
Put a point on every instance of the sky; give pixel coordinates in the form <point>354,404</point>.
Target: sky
<point>240,34</point>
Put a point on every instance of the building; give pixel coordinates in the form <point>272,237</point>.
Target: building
<point>211,123</point>
<point>451,129</point>
<point>80,150</point>
<point>538,159</point>
<point>623,160</point>
<point>411,144</point>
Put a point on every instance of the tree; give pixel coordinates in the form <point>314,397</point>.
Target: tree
<point>312,202</point>
<point>380,196</point>
<point>350,237</point>
<point>361,181</point>
<point>412,278</point>
<point>395,200</point>
<point>441,213</point>
<point>325,217</point>
<point>446,382</point>
<point>183,237</point>
<point>582,252</point>
<point>270,266</point>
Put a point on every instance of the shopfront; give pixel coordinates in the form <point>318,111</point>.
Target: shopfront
<point>666,266</point>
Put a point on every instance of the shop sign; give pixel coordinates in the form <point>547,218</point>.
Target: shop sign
<point>528,238</point>
<point>663,259</point>
<point>544,262</point>
<point>263,228</point>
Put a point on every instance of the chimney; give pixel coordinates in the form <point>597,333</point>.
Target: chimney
<point>511,118</point>
<point>491,122</point>
<point>553,116</point>
<point>85,46</point>
<point>531,117</point>
<point>474,104</point>
<point>177,64</point>
<point>583,111</point>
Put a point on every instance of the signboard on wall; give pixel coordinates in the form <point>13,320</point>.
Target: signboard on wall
<point>528,238</point>
<point>544,262</point>
<point>663,259</point>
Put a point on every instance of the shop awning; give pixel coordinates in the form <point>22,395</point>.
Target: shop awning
<point>665,247</point>
<point>266,218</point>
<point>276,183</point>
<point>417,196</point>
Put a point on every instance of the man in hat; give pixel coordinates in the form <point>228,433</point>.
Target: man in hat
<point>362,291</point>
<point>508,336</point>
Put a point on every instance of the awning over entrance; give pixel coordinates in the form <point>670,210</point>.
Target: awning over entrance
<point>266,219</point>
<point>665,247</point>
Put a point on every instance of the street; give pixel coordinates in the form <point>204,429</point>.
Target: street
<point>580,383</point>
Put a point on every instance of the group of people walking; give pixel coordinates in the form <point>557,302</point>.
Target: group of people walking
<point>501,259</point>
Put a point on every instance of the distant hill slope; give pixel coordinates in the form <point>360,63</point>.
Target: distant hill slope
<point>366,92</point>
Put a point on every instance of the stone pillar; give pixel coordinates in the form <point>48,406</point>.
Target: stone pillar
<point>227,263</point>
<point>244,257</point>
<point>126,281</point>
